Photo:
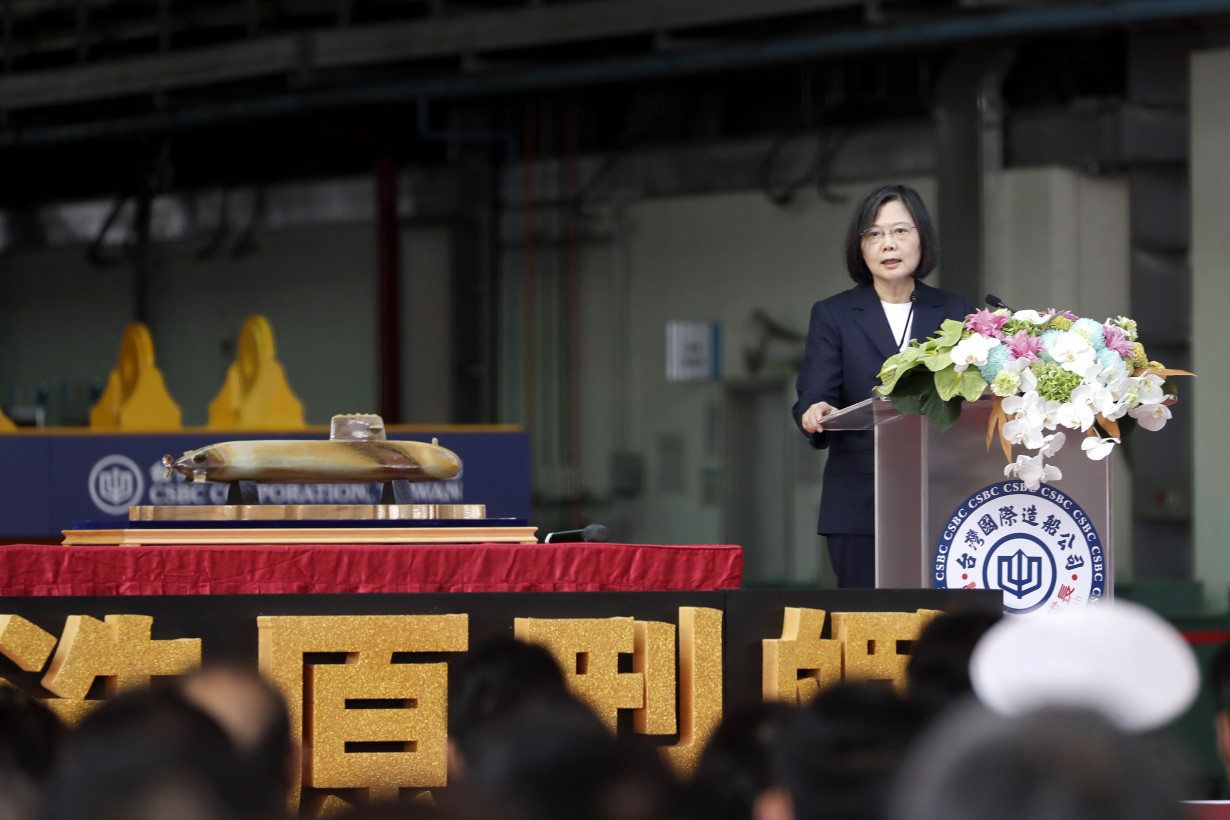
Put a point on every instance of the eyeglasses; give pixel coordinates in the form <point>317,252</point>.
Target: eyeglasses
<point>898,232</point>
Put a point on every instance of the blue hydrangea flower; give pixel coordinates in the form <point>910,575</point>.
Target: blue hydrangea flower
<point>1091,330</point>
<point>1049,337</point>
<point>1108,357</point>
<point>997,357</point>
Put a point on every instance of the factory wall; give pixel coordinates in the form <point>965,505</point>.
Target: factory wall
<point>61,320</point>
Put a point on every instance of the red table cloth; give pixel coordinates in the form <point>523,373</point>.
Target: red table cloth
<point>28,569</point>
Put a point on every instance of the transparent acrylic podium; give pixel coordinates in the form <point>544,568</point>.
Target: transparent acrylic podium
<point>923,475</point>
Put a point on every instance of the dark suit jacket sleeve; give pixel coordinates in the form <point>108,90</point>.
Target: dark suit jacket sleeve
<point>821,373</point>
<point>848,340</point>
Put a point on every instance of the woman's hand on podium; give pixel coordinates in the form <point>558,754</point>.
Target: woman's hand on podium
<point>812,416</point>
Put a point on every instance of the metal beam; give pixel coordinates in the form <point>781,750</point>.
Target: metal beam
<point>521,28</point>
<point>651,66</point>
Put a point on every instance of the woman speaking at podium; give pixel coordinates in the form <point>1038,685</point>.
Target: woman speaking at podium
<point>890,246</point>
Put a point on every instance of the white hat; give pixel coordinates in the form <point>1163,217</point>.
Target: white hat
<point>1119,659</point>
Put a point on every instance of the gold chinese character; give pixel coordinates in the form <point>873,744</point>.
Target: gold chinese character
<point>870,643</point>
<point>653,658</point>
<point>120,650</point>
<point>799,664</point>
<point>338,711</point>
<point>700,685</point>
<point>25,644</point>
<point>588,650</point>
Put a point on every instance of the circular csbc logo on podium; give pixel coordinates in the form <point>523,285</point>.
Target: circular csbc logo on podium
<point>1038,547</point>
<point>116,484</point>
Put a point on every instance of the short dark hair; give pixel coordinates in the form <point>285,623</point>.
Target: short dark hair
<point>838,758</point>
<point>865,214</point>
<point>736,764</point>
<point>938,671</point>
<point>499,675</point>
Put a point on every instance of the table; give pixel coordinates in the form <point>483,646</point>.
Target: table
<point>41,569</point>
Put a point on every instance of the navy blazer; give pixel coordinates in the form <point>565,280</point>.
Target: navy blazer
<point>848,340</point>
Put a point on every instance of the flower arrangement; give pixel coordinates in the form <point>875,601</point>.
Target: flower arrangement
<point>1045,371</point>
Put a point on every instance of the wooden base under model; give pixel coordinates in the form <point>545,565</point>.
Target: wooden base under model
<point>301,535</point>
<point>306,512</point>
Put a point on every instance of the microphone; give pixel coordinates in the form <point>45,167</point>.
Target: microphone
<point>594,534</point>
<point>995,302</point>
<point>905,330</point>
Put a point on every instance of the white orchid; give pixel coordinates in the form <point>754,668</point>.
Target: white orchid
<point>1051,445</point>
<point>1150,390</point>
<point>1075,415</point>
<point>1094,396</point>
<point>1117,370</point>
<point>1029,381</point>
<point>1073,352</point>
<point>1032,471</point>
<point>1117,410</point>
<point>1050,414</point>
<point>1028,400</point>
<point>1123,386</point>
<point>1020,431</point>
<point>1151,416</point>
<point>1030,316</point>
<point>1098,448</point>
<point>971,351</point>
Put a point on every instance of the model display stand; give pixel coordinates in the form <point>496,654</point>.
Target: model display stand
<point>357,451</point>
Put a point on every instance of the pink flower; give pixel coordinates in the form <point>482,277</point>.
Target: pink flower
<point>1117,340</point>
<point>986,323</point>
<point>1024,346</point>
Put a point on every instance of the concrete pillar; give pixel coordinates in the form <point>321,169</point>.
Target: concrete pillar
<point>1210,263</point>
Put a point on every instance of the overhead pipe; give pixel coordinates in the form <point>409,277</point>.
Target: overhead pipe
<point>1030,22</point>
<point>464,135</point>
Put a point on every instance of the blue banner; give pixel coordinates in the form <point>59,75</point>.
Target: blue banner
<point>49,481</point>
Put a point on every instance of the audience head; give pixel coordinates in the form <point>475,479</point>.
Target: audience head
<point>938,671</point>
<point>496,678</point>
<point>1221,704</point>
<point>1058,764</point>
<point>253,715</point>
<point>836,761</point>
<point>736,765</point>
<point>147,753</point>
<point>30,737</point>
<point>550,758</point>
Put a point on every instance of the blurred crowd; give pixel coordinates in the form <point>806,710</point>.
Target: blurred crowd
<point>216,745</point>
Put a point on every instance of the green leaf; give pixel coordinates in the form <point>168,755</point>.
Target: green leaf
<point>893,369</point>
<point>937,361</point>
<point>946,383</point>
<point>950,333</point>
<point>916,395</point>
<point>971,385</point>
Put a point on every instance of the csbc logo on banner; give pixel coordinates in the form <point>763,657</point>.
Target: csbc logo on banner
<point>1038,547</point>
<point>116,484</point>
